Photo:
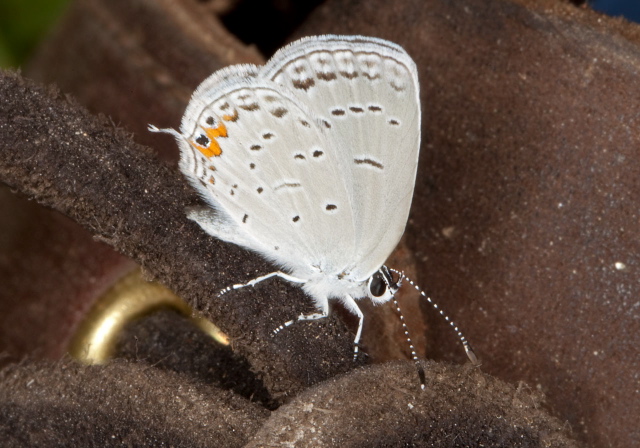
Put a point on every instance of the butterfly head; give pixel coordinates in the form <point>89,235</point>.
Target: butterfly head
<point>381,286</point>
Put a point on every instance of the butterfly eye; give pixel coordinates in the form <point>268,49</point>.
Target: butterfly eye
<point>377,285</point>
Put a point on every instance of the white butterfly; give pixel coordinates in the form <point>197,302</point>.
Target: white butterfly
<point>310,161</point>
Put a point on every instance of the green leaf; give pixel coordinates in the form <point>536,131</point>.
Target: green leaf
<point>23,23</point>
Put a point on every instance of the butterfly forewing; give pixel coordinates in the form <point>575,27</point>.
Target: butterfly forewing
<point>364,93</point>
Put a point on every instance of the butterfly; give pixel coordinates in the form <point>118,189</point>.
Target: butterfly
<point>310,161</point>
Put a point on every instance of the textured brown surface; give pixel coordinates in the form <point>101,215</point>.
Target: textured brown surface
<point>525,201</point>
<point>122,404</point>
<point>382,406</point>
<point>527,192</point>
<point>51,270</point>
<point>170,341</point>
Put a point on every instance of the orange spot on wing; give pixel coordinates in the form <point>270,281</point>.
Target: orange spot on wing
<point>233,117</point>
<point>213,149</point>
<point>220,131</point>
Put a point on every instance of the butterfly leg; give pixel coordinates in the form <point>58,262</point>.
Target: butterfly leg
<point>352,306</point>
<point>324,312</point>
<point>255,281</point>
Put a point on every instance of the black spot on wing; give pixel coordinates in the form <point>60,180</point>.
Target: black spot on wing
<point>326,76</point>
<point>279,112</point>
<point>367,161</point>
<point>303,84</point>
<point>397,87</point>
<point>250,107</point>
<point>349,75</point>
<point>288,185</point>
<point>202,140</point>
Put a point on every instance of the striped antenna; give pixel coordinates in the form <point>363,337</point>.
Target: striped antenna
<point>467,348</point>
<point>414,355</point>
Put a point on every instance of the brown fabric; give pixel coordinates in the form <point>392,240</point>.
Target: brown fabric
<point>121,404</point>
<point>523,225</point>
<point>170,341</point>
<point>382,406</point>
<point>51,271</point>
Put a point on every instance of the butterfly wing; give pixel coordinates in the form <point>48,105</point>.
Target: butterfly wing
<point>366,93</point>
<point>264,163</point>
<point>311,159</point>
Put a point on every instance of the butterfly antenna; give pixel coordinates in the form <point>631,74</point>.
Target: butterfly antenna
<point>414,355</point>
<point>467,348</point>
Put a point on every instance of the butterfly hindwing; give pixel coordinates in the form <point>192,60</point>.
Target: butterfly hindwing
<point>258,157</point>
